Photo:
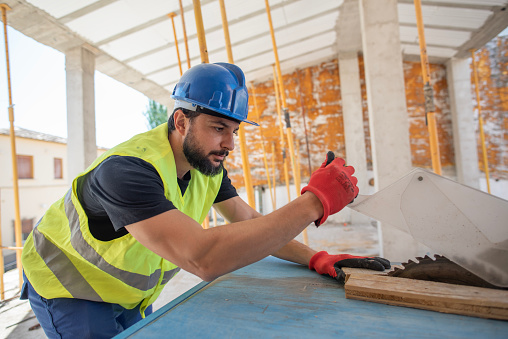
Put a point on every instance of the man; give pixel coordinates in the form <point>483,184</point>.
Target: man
<point>102,254</point>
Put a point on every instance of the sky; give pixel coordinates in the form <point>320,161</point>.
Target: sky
<point>39,94</point>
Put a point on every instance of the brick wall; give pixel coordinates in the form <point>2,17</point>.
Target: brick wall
<point>313,96</point>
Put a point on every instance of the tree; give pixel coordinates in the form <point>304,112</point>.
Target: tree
<point>155,114</point>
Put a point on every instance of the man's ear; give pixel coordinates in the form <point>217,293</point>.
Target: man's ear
<point>181,122</point>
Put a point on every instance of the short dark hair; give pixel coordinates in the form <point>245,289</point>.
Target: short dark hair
<point>189,114</point>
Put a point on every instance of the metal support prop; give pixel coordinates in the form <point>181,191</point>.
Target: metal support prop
<point>17,219</point>
<point>298,160</point>
<point>302,106</point>
<point>225,28</point>
<point>172,16</point>
<point>291,143</point>
<point>281,130</point>
<point>304,233</point>
<point>283,101</point>
<point>200,31</point>
<point>184,34</point>
<point>428,92</point>
<point>241,132</point>
<point>265,160</point>
<point>285,109</point>
<point>214,215</point>
<point>206,222</point>
<point>2,286</point>
<point>480,120</point>
<point>274,184</point>
<point>246,168</point>
<point>204,56</point>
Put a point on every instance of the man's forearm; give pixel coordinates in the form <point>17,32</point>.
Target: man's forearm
<point>293,251</point>
<point>232,245</point>
<point>296,252</point>
<point>213,252</point>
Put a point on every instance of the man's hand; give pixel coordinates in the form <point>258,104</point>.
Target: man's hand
<point>325,263</point>
<point>334,185</point>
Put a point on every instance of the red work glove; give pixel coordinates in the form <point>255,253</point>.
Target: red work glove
<point>324,263</point>
<point>334,184</point>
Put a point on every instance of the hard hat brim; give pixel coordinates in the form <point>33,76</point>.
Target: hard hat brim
<point>196,107</point>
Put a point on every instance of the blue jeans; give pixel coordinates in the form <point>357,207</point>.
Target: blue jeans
<point>78,318</point>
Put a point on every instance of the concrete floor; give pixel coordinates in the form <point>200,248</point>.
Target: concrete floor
<point>17,318</point>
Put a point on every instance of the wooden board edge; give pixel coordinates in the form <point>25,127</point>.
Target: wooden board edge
<point>478,311</point>
<point>390,290</point>
<point>431,289</point>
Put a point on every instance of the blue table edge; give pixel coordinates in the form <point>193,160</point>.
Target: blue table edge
<point>161,311</point>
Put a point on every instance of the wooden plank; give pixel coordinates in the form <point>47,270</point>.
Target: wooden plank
<point>348,271</point>
<point>429,295</point>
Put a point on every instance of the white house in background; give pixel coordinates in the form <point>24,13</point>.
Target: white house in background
<point>42,164</point>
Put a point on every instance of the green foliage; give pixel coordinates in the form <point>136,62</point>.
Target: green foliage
<point>155,114</point>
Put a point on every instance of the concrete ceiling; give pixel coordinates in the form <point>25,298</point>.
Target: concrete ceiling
<point>134,43</point>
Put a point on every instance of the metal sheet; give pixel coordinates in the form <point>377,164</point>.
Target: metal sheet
<point>468,226</point>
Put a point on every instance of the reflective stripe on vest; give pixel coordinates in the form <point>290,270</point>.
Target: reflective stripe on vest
<point>56,259</point>
<point>63,259</point>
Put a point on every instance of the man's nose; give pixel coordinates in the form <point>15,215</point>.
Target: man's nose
<point>228,142</point>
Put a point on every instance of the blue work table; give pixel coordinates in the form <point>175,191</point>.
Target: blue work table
<point>275,298</point>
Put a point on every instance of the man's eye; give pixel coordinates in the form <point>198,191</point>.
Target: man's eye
<point>235,132</point>
<point>219,129</point>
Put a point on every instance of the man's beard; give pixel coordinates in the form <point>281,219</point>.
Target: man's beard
<point>200,161</point>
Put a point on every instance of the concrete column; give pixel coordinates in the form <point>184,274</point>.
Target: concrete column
<point>351,94</point>
<point>464,134</point>
<point>388,118</point>
<point>81,143</point>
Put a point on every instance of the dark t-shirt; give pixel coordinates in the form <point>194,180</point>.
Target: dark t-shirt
<point>124,190</point>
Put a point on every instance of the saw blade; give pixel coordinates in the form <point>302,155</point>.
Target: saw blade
<point>439,269</point>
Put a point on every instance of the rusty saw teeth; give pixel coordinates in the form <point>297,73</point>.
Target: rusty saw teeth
<point>439,269</point>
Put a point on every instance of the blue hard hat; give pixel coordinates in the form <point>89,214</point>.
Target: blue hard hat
<point>219,87</point>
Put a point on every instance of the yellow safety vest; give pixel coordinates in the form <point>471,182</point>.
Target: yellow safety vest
<point>62,259</point>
